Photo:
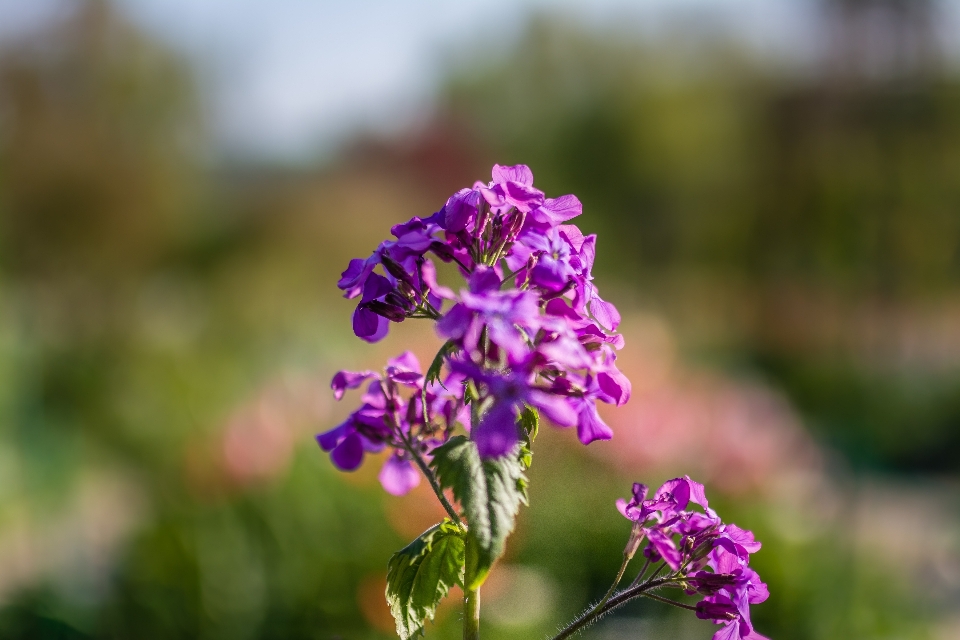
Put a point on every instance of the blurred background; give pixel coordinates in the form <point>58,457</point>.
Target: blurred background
<point>776,189</point>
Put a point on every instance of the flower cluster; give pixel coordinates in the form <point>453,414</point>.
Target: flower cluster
<point>394,419</point>
<point>691,542</point>
<point>529,329</point>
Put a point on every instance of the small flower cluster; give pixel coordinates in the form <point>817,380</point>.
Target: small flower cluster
<point>690,542</point>
<point>394,419</point>
<point>529,328</point>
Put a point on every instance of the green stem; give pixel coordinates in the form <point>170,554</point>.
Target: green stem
<point>636,581</point>
<point>616,601</point>
<point>674,603</point>
<point>434,484</point>
<point>471,598</point>
<point>623,567</point>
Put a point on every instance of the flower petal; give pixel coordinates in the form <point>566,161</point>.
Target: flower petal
<point>348,455</point>
<point>590,426</point>
<point>398,476</point>
<point>519,173</point>
<point>497,433</point>
<point>344,380</point>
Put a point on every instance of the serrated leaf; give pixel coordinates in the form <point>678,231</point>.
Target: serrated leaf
<point>529,422</point>
<point>421,574</point>
<point>433,372</point>
<point>490,492</point>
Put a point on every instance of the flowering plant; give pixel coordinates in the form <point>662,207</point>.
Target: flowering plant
<point>528,334</point>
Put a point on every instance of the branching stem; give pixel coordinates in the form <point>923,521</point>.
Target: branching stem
<point>432,479</point>
<point>616,601</point>
<point>616,581</point>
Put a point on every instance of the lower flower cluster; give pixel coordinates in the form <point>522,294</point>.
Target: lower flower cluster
<point>392,417</point>
<point>705,555</point>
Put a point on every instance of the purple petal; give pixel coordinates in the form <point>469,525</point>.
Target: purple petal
<point>556,408</point>
<point>330,439</point>
<point>398,476</point>
<point>403,366</point>
<point>523,197</point>
<point>557,210</point>
<point>588,252</point>
<point>665,547</point>
<point>375,286</point>
<point>758,592</point>
<point>698,495</point>
<point>369,326</point>
<point>349,453</point>
<point>519,173</point>
<point>484,279</point>
<point>508,338</point>
<point>455,324</point>
<point>589,425</point>
<point>573,235</point>
<point>493,196</point>
<point>678,488</point>
<point>460,208</point>
<point>742,537</point>
<point>497,433</point>
<point>730,631</point>
<point>606,314</point>
<point>615,385</point>
<point>353,279</point>
<point>344,380</point>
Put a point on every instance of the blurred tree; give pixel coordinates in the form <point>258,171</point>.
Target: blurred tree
<point>98,128</point>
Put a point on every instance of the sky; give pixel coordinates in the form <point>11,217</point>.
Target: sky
<point>292,78</point>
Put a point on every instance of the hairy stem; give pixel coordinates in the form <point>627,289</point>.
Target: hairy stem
<point>616,601</point>
<point>616,581</point>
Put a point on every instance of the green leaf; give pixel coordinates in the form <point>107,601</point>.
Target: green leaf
<point>529,424</point>
<point>490,492</point>
<point>421,574</point>
<point>433,372</point>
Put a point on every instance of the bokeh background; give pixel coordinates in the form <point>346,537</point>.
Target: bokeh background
<point>776,189</point>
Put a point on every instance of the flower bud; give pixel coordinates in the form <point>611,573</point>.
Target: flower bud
<point>391,312</point>
<point>396,269</point>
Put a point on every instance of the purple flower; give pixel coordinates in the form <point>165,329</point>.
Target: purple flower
<point>367,323</point>
<point>497,433</point>
<point>734,615</point>
<point>672,497</point>
<point>704,540</point>
<point>504,314</point>
<point>511,187</point>
<point>384,419</point>
<point>359,434</point>
<point>344,380</point>
<point>551,271</point>
<point>353,279</point>
<point>581,395</point>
